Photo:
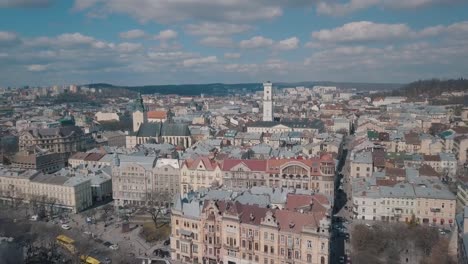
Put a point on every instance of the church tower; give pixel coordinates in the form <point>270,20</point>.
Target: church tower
<point>267,102</point>
<point>140,115</point>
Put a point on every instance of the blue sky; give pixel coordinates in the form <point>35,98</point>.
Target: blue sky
<point>136,42</point>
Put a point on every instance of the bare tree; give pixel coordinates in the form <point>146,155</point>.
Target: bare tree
<point>157,203</point>
<point>106,212</point>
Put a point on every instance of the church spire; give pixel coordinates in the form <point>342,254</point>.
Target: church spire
<point>139,104</point>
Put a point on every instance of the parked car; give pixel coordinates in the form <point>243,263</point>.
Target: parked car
<point>167,242</point>
<point>107,244</point>
<point>114,247</point>
<point>66,227</point>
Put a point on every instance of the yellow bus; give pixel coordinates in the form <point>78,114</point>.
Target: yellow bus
<point>67,243</point>
<point>89,260</point>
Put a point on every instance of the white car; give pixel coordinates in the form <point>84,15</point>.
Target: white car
<point>66,227</point>
<point>114,247</point>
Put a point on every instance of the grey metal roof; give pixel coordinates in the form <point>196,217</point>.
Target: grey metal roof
<point>149,130</point>
<point>175,129</point>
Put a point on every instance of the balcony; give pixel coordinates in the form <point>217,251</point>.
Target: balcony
<point>230,247</point>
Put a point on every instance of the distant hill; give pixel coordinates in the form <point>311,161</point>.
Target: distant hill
<point>221,89</point>
<point>432,90</point>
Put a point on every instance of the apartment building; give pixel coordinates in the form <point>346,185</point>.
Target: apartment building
<point>166,176</point>
<point>136,178</point>
<point>132,179</point>
<point>38,160</point>
<point>199,173</point>
<point>58,140</point>
<point>315,174</point>
<point>460,148</point>
<point>424,200</point>
<point>244,173</point>
<point>90,159</point>
<point>70,193</point>
<point>443,163</point>
<point>216,231</point>
<point>361,165</point>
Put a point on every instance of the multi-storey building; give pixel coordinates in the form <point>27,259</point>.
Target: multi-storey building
<point>199,173</point>
<point>166,176</point>
<point>38,160</point>
<point>216,231</point>
<point>136,178</point>
<point>361,165</point>
<point>244,173</point>
<point>309,174</point>
<point>70,193</point>
<point>131,179</point>
<point>424,201</point>
<point>58,140</point>
<point>460,148</point>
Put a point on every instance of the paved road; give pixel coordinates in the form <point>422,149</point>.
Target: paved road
<point>342,201</point>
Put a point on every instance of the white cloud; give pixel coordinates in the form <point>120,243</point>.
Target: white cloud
<point>37,67</point>
<point>8,36</point>
<point>229,55</point>
<point>25,3</point>
<point>339,9</point>
<point>200,10</point>
<point>256,42</point>
<point>287,44</point>
<point>170,56</point>
<point>363,31</point>
<point>217,42</point>
<point>166,35</point>
<point>415,3</point>
<point>335,8</point>
<point>459,29</point>
<point>132,34</point>
<point>199,61</point>
<point>216,29</point>
<point>127,47</point>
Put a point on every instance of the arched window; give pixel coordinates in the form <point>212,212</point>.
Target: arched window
<point>322,260</point>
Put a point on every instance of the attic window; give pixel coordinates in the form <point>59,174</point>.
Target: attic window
<point>291,224</point>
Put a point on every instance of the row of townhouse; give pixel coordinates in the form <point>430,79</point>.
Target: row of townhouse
<point>309,174</point>
<point>134,178</point>
<point>218,231</point>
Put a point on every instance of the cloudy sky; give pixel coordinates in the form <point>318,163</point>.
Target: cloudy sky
<point>135,42</point>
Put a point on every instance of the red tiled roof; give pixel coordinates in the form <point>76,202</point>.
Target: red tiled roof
<point>157,114</point>
<point>460,130</point>
<point>296,221</point>
<point>253,165</point>
<point>431,157</point>
<point>207,163</point>
<point>395,172</point>
<point>79,155</point>
<point>426,170</point>
<point>315,203</point>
